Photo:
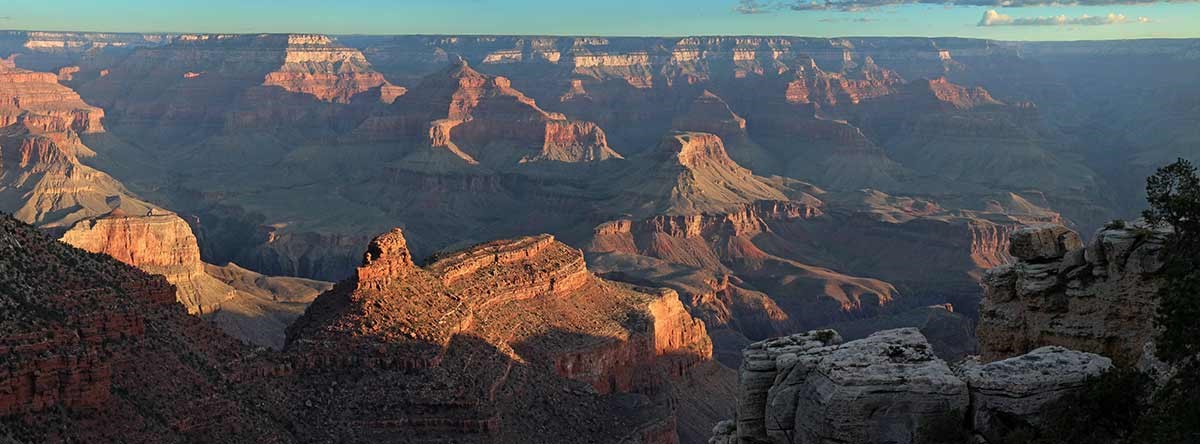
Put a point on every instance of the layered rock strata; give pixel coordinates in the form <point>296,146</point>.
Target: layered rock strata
<point>246,304</point>
<point>1099,298</point>
<point>97,351</point>
<point>484,318</point>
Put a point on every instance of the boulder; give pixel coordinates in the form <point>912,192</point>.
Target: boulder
<point>761,363</point>
<point>884,388</point>
<point>1015,392</point>
<point>1045,242</point>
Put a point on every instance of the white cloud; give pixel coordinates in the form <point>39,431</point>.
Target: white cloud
<point>993,18</point>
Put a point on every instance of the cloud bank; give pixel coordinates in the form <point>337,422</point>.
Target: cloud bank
<point>993,18</point>
<point>764,6</point>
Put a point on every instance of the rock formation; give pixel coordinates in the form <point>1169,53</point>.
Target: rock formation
<point>98,351</point>
<point>42,180</point>
<point>314,65</point>
<point>481,118</point>
<point>1014,392</point>
<point>889,387</point>
<point>690,173</point>
<point>484,319</point>
<point>247,305</point>
<point>1099,298</point>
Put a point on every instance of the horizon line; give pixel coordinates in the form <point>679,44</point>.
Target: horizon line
<point>627,36</point>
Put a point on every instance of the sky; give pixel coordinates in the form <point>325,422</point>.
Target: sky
<point>996,19</point>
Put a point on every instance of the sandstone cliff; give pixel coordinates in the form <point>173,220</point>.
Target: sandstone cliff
<point>315,65</point>
<point>247,305</point>
<point>479,118</point>
<point>488,321</point>
<point>42,179</point>
<point>105,345</point>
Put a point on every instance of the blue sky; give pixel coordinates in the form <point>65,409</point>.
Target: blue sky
<point>596,17</point>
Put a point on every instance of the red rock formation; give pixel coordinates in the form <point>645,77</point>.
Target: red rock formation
<point>40,93</point>
<point>245,304</point>
<point>481,118</point>
<point>314,65</point>
<point>108,343</point>
<point>523,308</point>
<point>690,173</point>
<point>41,178</point>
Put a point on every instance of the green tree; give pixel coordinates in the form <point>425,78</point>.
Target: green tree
<point>1173,194</point>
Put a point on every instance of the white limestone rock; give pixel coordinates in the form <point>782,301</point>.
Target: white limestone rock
<point>1014,392</point>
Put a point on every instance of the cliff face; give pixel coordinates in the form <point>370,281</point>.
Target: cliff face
<point>689,173</point>
<point>245,304</point>
<point>487,318</point>
<point>1099,298</point>
<point>40,93</point>
<point>314,65</point>
<point>42,180</point>
<point>482,119</point>
<point>80,332</point>
<point>1058,294</point>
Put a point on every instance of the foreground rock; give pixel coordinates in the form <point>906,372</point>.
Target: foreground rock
<point>884,388</point>
<point>890,388</point>
<point>97,351</point>
<point>1013,393</point>
<point>1099,299</point>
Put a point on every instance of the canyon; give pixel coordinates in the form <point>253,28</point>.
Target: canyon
<point>1050,323</point>
<point>590,229</point>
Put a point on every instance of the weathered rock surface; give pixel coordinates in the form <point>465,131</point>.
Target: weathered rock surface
<point>762,364</point>
<point>888,387</point>
<point>884,388</point>
<point>808,388</point>
<point>1099,299</point>
<point>1043,243</point>
<point>484,319</point>
<point>1014,392</point>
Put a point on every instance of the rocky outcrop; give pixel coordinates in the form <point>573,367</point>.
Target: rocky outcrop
<point>159,243</point>
<point>761,366</point>
<point>1043,243</point>
<point>1099,298</point>
<point>107,346</point>
<point>246,304</point>
<point>808,389</point>
<point>690,173</point>
<point>40,93</point>
<point>468,317</point>
<point>889,387</point>
<point>315,65</point>
<point>1014,393</point>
